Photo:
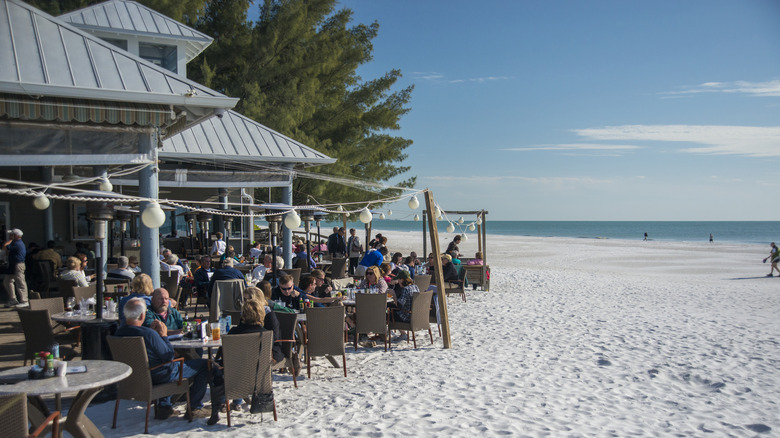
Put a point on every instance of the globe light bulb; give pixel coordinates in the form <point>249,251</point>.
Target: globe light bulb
<point>153,216</point>
<point>41,202</point>
<point>450,228</point>
<point>479,221</point>
<point>105,185</point>
<point>414,203</point>
<point>389,212</point>
<point>471,227</point>
<point>340,208</point>
<point>460,220</point>
<point>292,220</point>
<point>365,216</point>
<point>417,218</point>
<point>465,237</point>
<point>437,212</point>
<point>381,215</point>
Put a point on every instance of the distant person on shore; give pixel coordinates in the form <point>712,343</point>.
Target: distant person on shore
<point>711,238</point>
<point>452,248</point>
<point>645,235</point>
<point>774,256</point>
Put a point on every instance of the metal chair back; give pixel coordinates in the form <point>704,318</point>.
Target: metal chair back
<point>325,329</point>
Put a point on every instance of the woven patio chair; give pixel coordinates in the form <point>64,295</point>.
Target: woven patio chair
<point>132,351</point>
<point>66,288</point>
<point>227,297</point>
<point>39,335</point>
<point>47,280</point>
<point>70,335</point>
<point>288,322</point>
<point>325,334</point>
<point>371,310</point>
<point>247,366</point>
<point>13,418</point>
<point>170,281</point>
<point>338,268</point>
<point>422,281</point>
<point>421,305</point>
<point>295,273</point>
<point>83,293</point>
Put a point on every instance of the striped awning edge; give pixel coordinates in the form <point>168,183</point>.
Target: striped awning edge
<point>17,106</point>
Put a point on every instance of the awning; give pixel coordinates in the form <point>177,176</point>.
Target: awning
<point>16,106</point>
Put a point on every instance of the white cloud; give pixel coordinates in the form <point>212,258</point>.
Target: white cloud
<point>576,147</point>
<point>751,141</point>
<point>764,89</point>
<point>438,77</point>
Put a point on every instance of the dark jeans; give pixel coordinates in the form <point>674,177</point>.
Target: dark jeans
<point>353,262</point>
<point>197,371</point>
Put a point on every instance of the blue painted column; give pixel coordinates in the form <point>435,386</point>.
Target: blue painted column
<point>47,175</point>
<point>287,198</point>
<point>148,188</point>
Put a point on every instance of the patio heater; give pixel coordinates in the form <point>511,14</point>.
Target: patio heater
<point>274,220</point>
<point>124,216</point>
<point>99,212</point>
<point>205,219</point>
<point>228,221</point>
<point>191,217</point>
<point>318,217</point>
<point>307,216</point>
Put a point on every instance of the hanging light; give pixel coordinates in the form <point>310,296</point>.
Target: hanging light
<point>292,220</point>
<point>389,212</point>
<point>41,202</point>
<point>340,208</point>
<point>105,185</point>
<point>417,218</point>
<point>460,220</point>
<point>437,212</point>
<point>471,227</point>
<point>153,216</point>
<point>450,228</point>
<point>365,215</point>
<point>465,237</point>
<point>346,214</point>
<point>414,203</point>
<point>479,221</point>
<point>381,215</point>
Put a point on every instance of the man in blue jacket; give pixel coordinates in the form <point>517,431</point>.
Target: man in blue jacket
<point>373,257</point>
<point>14,282</point>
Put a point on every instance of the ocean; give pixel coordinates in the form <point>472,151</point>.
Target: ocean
<point>753,232</point>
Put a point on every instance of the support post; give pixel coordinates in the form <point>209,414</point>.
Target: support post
<point>438,274</point>
<point>101,246</point>
<point>484,238</point>
<point>148,188</point>
<point>425,237</point>
<point>287,198</point>
<point>48,215</point>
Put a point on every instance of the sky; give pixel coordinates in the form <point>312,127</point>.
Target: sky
<point>587,110</point>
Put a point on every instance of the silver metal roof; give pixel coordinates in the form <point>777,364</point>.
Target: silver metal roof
<point>236,137</point>
<point>41,55</point>
<point>131,18</point>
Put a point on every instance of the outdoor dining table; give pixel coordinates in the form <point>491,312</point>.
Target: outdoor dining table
<point>186,344</point>
<point>98,374</point>
<point>76,317</point>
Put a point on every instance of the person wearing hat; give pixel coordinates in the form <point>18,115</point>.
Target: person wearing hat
<point>402,303</point>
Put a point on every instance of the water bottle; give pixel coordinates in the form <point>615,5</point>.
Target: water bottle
<point>55,350</point>
<point>49,365</point>
<point>228,323</point>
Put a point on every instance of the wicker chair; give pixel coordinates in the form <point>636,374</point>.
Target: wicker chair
<point>54,306</point>
<point>47,277</point>
<point>37,337</point>
<point>66,288</point>
<point>325,334</point>
<point>242,379</point>
<point>371,310</point>
<point>338,268</point>
<point>83,293</point>
<point>295,273</point>
<point>13,421</point>
<point>227,297</point>
<point>287,325</point>
<point>132,351</point>
<point>170,281</point>
<point>422,281</point>
<point>421,305</point>
<point>478,275</point>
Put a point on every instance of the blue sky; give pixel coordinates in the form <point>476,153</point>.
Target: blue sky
<point>588,110</point>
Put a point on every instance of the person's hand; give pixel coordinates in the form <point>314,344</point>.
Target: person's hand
<point>329,289</point>
<point>160,328</point>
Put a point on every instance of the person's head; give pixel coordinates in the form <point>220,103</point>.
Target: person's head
<point>397,258</point>
<point>446,258</point>
<point>205,262</point>
<point>457,239</point>
<point>279,263</point>
<point>430,257</point>
<point>83,257</point>
<point>160,300</point>
<point>228,263</point>
<point>122,262</point>
<point>372,275</point>
<point>409,260</point>
<point>478,255</point>
<point>286,284</point>
<point>256,245</point>
<point>253,312</point>
<point>16,234</point>
<point>267,260</point>
<point>265,286</point>
<point>73,263</point>
<point>384,240</point>
<point>335,230</point>
<point>230,250</point>
<point>342,231</point>
<point>404,278</point>
<point>385,268</point>
<point>254,293</point>
<point>383,251</point>
<point>135,312</point>
<point>219,235</point>
<point>307,284</point>
<point>352,231</point>
<point>378,237</point>
<point>166,253</point>
<point>318,276</point>
<point>772,244</point>
<point>172,259</point>
<point>132,261</point>
<point>142,284</point>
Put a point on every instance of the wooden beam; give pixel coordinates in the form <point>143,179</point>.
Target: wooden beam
<point>484,237</point>
<point>437,268</point>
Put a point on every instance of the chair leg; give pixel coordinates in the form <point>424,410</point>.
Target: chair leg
<point>146,426</point>
<point>414,338</point>
<point>189,406</point>
<point>357,335</point>
<point>344,360</point>
<point>275,418</point>
<point>430,333</point>
<point>308,364</point>
<point>116,409</point>
<point>227,411</point>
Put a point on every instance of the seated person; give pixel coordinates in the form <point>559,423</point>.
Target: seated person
<point>162,311</point>
<point>448,269</point>
<point>396,261</point>
<point>373,279</point>
<point>372,257</point>
<point>133,264</point>
<point>270,322</point>
<point>171,263</point>
<point>409,266</point>
<point>255,252</point>
<point>477,260</point>
<point>309,286</point>
<point>160,352</point>
<point>142,287</point>
<point>202,276</point>
<point>278,272</point>
<point>50,254</point>
<point>402,303</point>
<point>259,272</point>
<point>227,272</point>
<point>386,270</point>
<point>452,248</point>
<point>230,253</point>
<point>324,287</point>
<point>122,270</point>
<point>74,272</point>
<point>300,254</point>
<point>292,296</point>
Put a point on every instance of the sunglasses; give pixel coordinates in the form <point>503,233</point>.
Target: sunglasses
<point>288,288</point>
<point>369,273</point>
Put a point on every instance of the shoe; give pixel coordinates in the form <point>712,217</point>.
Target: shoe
<point>10,304</point>
<point>22,305</point>
<point>768,275</point>
<point>236,407</point>
<point>201,412</point>
<point>163,412</point>
<point>213,419</point>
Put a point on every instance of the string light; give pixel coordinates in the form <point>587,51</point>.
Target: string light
<point>414,203</point>
<point>292,220</point>
<point>41,202</point>
<point>366,216</point>
<point>153,216</point>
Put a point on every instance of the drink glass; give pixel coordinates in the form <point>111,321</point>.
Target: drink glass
<point>215,331</point>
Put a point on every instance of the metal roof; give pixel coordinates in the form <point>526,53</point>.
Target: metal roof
<point>41,55</point>
<point>236,137</point>
<point>131,18</point>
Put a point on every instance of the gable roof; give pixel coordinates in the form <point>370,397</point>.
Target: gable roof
<point>41,55</point>
<point>235,138</point>
<point>131,18</point>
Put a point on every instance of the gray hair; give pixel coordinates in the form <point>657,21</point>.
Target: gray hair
<point>135,309</point>
<point>17,232</point>
<point>172,259</point>
<point>122,262</point>
<point>228,262</point>
<point>279,263</point>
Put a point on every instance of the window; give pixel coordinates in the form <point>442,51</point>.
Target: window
<point>164,56</point>
<point>122,44</point>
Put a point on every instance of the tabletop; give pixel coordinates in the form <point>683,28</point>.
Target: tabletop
<point>195,343</point>
<point>78,317</point>
<point>99,373</point>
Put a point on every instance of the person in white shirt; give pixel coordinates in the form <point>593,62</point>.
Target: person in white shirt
<point>170,264</point>
<point>218,248</point>
<point>259,272</point>
<point>74,272</point>
<point>255,251</point>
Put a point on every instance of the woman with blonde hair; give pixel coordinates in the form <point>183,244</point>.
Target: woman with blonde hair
<point>74,272</point>
<point>270,322</point>
<point>373,279</point>
<point>142,287</point>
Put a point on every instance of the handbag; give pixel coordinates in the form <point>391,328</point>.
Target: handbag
<point>260,402</point>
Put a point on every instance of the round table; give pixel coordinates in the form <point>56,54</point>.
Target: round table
<point>76,317</point>
<point>99,374</point>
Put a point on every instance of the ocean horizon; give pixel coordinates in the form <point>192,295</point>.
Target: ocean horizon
<point>752,232</point>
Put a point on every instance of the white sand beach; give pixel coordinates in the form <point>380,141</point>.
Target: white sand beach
<point>576,337</point>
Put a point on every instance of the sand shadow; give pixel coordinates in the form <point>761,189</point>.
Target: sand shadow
<point>752,278</point>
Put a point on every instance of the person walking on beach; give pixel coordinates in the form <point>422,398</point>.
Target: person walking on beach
<point>774,256</point>
<point>645,235</point>
<point>711,239</point>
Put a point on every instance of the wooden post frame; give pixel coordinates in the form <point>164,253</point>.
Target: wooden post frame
<point>438,274</point>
